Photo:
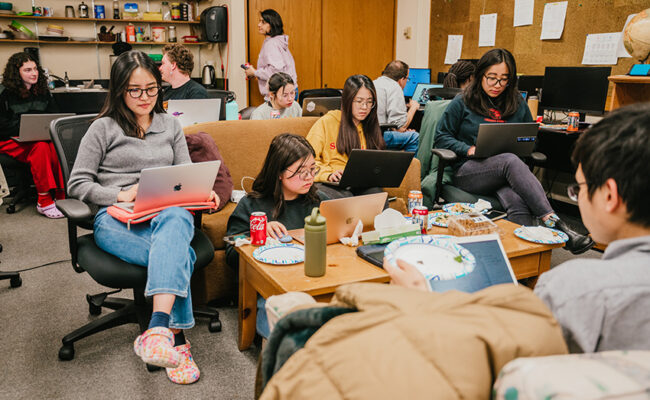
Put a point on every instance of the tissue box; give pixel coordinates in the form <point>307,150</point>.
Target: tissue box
<point>471,224</point>
<point>387,235</point>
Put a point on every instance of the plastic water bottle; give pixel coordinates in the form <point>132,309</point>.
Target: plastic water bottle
<point>232,111</point>
<point>315,244</point>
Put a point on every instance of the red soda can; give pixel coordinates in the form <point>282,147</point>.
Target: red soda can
<point>420,215</point>
<point>574,122</point>
<point>415,199</point>
<point>258,228</point>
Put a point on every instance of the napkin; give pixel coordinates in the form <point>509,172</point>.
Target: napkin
<point>481,205</point>
<point>353,240</point>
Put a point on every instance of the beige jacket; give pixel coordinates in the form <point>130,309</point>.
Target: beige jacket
<point>406,344</point>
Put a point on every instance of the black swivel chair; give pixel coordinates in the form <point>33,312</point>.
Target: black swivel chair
<point>324,92</point>
<point>104,268</point>
<point>20,177</point>
<point>14,277</point>
<point>443,93</point>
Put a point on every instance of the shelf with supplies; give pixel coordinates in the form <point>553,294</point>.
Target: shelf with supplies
<point>149,43</point>
<point>77,19</point>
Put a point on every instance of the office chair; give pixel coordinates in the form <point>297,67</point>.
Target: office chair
<point>22,179</point>
<point>104,268</point>
<point>14,277</point>
<point>324,92</point>
<point>443,93</point>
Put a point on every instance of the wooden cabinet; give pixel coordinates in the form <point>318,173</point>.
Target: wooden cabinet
<point>628,90</point>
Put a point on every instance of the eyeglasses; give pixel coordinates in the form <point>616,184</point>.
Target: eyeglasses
<point>364,103</point>
<point>492,81</point>
<point>574,189</point>
<point>305,174</point>
<point>136,93</point>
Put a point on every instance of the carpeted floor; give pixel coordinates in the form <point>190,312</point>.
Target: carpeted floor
<point>51,303</point>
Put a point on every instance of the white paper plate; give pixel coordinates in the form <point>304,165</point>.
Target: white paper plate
<point>436,257</point>
<point>440,218</point>
<point>280,254</point>
<point>528,233</point>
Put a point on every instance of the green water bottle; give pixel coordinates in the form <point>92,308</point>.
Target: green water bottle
<point>315,244</point>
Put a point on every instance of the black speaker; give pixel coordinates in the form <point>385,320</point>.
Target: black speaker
<point>214,21</point>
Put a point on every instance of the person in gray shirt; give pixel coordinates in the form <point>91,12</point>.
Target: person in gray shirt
<point>131,133</point>
<point>391,107</point>
<point>282,95</point>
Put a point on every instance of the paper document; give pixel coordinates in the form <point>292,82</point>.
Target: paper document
<point>454,48</point>
<point>488,30</point>
<point>601,48</point>
<point>621,52</point>
<point>524,12</point>
<point>553,21</point>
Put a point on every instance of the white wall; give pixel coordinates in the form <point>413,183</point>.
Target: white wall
<point>416,15</point>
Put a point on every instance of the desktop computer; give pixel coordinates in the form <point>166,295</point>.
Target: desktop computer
<point>416,75</point>
<point>530,84</point>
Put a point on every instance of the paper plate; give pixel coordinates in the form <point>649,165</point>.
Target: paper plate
<point>526,233</point>
<point>280,254</point>
<point>460,208</point>
<point>436,257</point>
<point>440,218</point>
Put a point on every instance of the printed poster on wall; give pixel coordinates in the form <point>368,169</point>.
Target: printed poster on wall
<point>488,30</point>
<point>553,20</point>
<point>524,12</point>
<point>454,48</point>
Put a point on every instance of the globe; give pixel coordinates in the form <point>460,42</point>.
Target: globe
<point>636,36</point>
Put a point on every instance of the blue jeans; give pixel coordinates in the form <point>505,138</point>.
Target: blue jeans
<point>407,141</point>
<point>163,247</point>
<point>516,187</point>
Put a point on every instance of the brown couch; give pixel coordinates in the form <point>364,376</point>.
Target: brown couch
<point>243,146</point>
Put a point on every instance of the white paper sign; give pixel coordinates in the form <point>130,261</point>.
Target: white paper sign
<point>601,48</point>
<point>488,30</point>
<point>553,21</point>
<point>454,48</point>
<point>524,12</point>
<point>621,52</point>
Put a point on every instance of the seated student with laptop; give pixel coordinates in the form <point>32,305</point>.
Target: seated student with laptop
<point>338,132</point>
<point>281,103</point>
<point>492,97</point>
<point>133,133</point>
<point>391,109</point>
<point>176,67</point>
<point>24,91</point>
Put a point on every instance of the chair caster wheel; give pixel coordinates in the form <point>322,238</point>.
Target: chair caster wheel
<point>153,368</point>
<point>214,326</point>
<point>16,281</point>
<point>66,352</point>
<point>11,209</point>
<point>94,310</point>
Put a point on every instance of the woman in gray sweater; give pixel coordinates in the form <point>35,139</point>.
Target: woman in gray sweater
<point>131,133</point>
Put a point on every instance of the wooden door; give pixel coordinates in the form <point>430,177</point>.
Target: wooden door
<point>358,38</point>
<point>302,22</point>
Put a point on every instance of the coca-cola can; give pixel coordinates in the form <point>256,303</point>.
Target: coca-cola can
<point>258,228</point>
<point>415,199</point>
<point>420,215</point>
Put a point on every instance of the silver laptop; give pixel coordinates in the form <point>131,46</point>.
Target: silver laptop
<point>36,127</point>
<point>516,138</point>
<point>195,111</point>
<point>319,106</point>
<point>421,93</point>
<point>342,215</point>
<point>173,185</point>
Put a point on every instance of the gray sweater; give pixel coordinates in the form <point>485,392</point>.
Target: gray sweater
<point>108,161</point>
<point>264,111</point>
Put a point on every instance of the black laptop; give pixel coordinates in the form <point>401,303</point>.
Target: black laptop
<point>374,168</point>
<point>516,138</point>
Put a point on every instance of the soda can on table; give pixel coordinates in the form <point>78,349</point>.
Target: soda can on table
<point>415,199</point>
<point>258,228</point>
<point>420,215</point>
<point>574,121</point>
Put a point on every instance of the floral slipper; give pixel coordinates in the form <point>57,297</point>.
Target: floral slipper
<point>50,211</point>
<point>187,371</point>
<point>156,347</point>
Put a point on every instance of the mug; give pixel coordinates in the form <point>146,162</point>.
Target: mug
<point>69,12</point>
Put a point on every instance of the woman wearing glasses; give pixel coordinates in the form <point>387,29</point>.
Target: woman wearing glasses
<point>131,133</point>
<point>492,97</point>
<point>281,104</point>
<point>337,133</point>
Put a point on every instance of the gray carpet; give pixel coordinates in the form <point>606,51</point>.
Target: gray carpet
<point>51,303</point>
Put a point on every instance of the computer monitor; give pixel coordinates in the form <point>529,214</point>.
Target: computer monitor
<point>441,77</point>
<point>582,89</point>
<point>416,75</point>
<point>530,83</point>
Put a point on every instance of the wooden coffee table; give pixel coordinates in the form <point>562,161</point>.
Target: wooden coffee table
<point>344,266</point>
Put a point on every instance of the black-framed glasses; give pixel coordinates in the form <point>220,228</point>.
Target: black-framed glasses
<point>305,174</point>
<point>136,93</point>
<point>573,190</point>
<point>493,80</point>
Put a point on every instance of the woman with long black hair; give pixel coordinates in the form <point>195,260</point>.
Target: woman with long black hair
<point>493,97</point>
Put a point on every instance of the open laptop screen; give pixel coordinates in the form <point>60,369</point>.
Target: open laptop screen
<point>416,75</point>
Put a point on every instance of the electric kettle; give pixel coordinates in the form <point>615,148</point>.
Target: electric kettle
<point>207,76</point>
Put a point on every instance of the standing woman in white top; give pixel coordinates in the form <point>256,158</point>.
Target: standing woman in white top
<point>274,55</point>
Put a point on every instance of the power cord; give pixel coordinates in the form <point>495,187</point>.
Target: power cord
<point>36,267</point>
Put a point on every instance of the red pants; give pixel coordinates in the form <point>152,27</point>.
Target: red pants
<point>42,161</point>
